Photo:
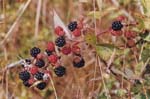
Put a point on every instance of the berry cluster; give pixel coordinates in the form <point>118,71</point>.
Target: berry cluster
<point>36,72</point>
<point>75,28</point>
<point>67,47</point>
<point>36,69</point>
<point>116,30</point>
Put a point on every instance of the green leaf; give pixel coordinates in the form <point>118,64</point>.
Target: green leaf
<point>141,22</point>
<point>104,52</point>
<point>90,38</point>
<point>111,46</point>
<point>102,96</point>
<point>147,38</point>
<point>146,53</point>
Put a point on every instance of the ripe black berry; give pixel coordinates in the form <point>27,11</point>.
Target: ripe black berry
<point>60,41</point>
<point>79,63</point>
<point>72,26</point>
<point>39,75</point>
<point>35,51</point>
<point>26,83</point>
<point>40,63</point>
<point>41,85</point>
<point>48,52</point>
<point>28,61</point>
<point>24,75</point>
<point>117,25</point>
<point>60,71</point>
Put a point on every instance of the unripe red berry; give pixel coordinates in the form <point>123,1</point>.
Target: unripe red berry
<point>80,25</point>
<point>130,34</point>
<point>66,50</point>
<point>39,56</point>
<point>50,46</point>
<point>59,31</point>
<point>31,81</point>
<point>77,32</point>
<point>116,33</point>
<point>33,70</point>
<point>75,49</point>
<point>121,18</point>
<point>130,43</point>
<point>53,59</point>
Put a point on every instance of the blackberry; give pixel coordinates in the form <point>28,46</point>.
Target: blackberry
<point>48,52</point>
<point>39,75</point>
<point>41,85</point>
<point>24,75</point>
<point>117,25</point>
<point>60,71</point>
<point>26,83</point>
<point>60,41</point>
<point>28,61</point>
<point>79,63</point>
<point>72,26</point>
<point>35,51</point>
<point>40,63</point>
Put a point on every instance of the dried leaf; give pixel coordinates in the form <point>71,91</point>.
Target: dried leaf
<point>59,22</point>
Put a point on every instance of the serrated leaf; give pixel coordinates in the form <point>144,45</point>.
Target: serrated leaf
<point>104,52</point>
<point>129,73</point>
<point>141,22</point>
<point>90,38</point>
<point>111,46</point>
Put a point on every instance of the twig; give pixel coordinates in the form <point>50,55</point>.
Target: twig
<point>115,2</point>
<point>38,11</point>
<point>111,60</point>
<point>101,72</point>
<point>15,64</point>
<point>94,3</point>
<point>144,91</point>
<point>53,87</point>
<point>15,23</point>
